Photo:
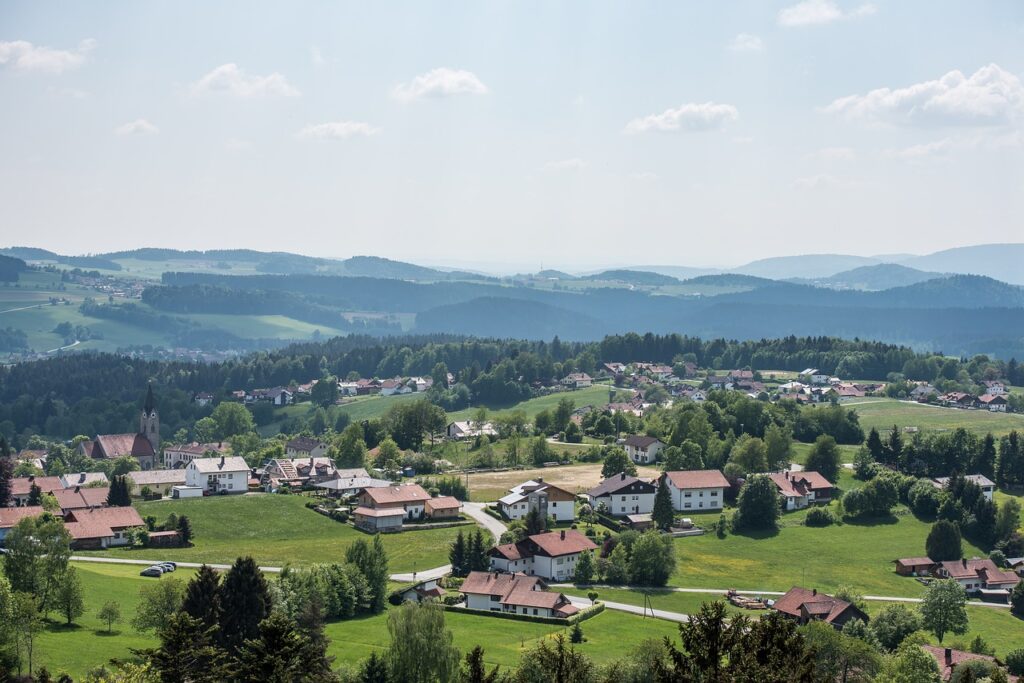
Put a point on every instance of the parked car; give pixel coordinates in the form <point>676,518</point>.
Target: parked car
<point>153,570</point>
<point>167,566</point>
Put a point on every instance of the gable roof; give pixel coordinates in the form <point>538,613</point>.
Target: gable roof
<point>82,478</point>
<point>11,516</point>
<point>304,443</point>
<point>798,601</point>
<point>78,497</point>
<point>21,486</point>
<point>443,503</point>
<point>116,445</point>
<point>948,659</point>
<point>563,542</point>
<point>639,441</point>
<point>397,495</point>
<point>223,464</point>
<point>98,519</point>
<point>618,482</point>
<point>146,477</point>
<point>698,479</point>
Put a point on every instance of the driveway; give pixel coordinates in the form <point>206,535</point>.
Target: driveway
<point>632,609</point>
<point>492,524</point>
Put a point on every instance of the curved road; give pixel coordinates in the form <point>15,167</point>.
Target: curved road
<point>474,510</point>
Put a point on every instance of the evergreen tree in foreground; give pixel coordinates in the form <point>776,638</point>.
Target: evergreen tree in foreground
<point>244,602</point>
<point>457,555</point>
<point>202,597</point>
<point>663,514</point>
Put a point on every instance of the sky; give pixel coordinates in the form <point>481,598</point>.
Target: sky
<point>513,134</point>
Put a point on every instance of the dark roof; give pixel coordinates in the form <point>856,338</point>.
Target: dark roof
<point>798,601</point>
<point>618,482</point>
<point>150,405</point>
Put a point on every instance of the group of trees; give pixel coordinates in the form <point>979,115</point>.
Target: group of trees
<point>637,559</point>
<point>469,553</point>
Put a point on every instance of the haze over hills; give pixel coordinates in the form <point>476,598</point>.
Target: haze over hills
<point>872,278</point>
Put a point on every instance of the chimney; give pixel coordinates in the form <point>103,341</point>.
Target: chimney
<point>949,656</point>
<point>964,561</point>
<point>81,478</point>
<point>77,488</point>
<point>222,461</point>
<point>563,534</point>
<point>814,591</point>
<point>540,480</point>
<point>622,476</point>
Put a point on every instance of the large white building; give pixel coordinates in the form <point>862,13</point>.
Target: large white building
<point>696,490</point>
<point>623,494</point>
<point>538,494</point>
<point>643,450</point>
<point>551,555</point>
<point>217,475</point>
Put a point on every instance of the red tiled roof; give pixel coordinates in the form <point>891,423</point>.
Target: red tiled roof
<point>116,445</point>
<point>955,657</point>
<point>443,503</point>
<point>78,497</point>
<point>797,600</point>
<point>397,495</point>
<point>21,486</point>
<point>915,561</point>
<point>11,516</point>
<point>115,517</point>
<point>564,542</point>
<point>814,480</point>
<point>379,512</point>
<point>698,479</point>
<point>493,583</point>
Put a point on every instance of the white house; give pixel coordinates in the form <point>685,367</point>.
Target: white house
<point>995,403</point>
<point>537,494</point>
<point>551,555</point>
<point>623,494</point>
<point>469,430</point>
<point>305,447</point>
<point>514,593</point>
<point>177,456</point>
<point>577,380</point>
<point>800,489</point>
<point>814,376</point>
<point>218,475</point>
<point>696,489</point>
<point>979,575</point>
<point>642,450</point>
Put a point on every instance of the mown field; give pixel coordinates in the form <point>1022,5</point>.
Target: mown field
<point>277,530</point>
<point>596,396</point>
<point>884,413</point>
<point>489,486</point>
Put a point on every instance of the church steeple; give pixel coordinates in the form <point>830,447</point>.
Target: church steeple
<point>149,421</point>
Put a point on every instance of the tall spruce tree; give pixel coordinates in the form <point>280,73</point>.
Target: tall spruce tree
<point>120,492</point>
<point>372,562</point>
<point>374,670</point>
<point>245,602</point>
<point>476,554</point>
<point>6,472</point>
<point>187,652</point>
<point>185,529</point>
<point>457,555</point>
<point>202,597</point>
<point>663,515</point>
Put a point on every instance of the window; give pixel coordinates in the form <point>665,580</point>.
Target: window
<point>688,494</point>
<point>534,611</point>
<point>495,598</point>
<point>688,505</point>
<point>714,494</point>
<point>623,498</point>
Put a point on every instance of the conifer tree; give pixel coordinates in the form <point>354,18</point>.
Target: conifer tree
<point>244,601</point>
<point>202,597</point>
<point>457,555</point>
<point>663,515</point>
<point>6,472</point>
<point>185,529</point>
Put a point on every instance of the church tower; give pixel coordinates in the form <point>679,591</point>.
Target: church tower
<point>149,422</point>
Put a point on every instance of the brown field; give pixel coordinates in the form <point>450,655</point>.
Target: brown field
<point>489,486</point>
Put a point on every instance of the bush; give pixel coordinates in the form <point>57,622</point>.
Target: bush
<point>1015,661</point>
<point>819,517</point>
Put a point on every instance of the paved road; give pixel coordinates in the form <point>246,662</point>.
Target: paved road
<point>632,609</point>
<point>435,573</point>
<point>492,524</point>
<point>146,563</point>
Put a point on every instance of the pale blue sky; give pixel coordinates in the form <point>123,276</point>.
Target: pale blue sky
<point>575,134</point>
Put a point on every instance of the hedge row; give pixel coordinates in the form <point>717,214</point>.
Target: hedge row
<point>494,513</point>
<point>609,521</point>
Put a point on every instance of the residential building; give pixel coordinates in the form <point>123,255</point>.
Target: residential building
<point>203,399</point>
<point>551,555</point>
<point>469,430</point>
<point>979,576</point>
<point>814,376</point>
<point>514,593</point>
<point>411,499</point>
<point>297,472</point>
<point>537,494</point>
<point>805,605</point>
<point>81,498</point>
<point>442,508</point>
<point>995,403</point>
<point>800,489</point>
<point>83,479</point>
<point>987,486</point>
<point>424,590</point>
<point>10,516</point>
<point>623,494</point>
<point>949,659</point>
<point>305,447</point>
<point>218,475</point>
<point>995,387</point>
<point>179,455</point>
<point>101,527</point>
<point>157,481</point>
<point>21,488</point>
<point>642,450</point>
<point>350,482</point>
<point>577,380</point>
<point>696,489</point>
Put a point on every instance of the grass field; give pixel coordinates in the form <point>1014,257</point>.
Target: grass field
<point>884,413</point>
<point>278,530</point>
<point>596,396</point>
<point>997,626</point>
<point>610,635</point>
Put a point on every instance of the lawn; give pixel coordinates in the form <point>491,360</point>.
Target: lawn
<point>596,396</point>
<point>884,413</point>
<point>86,644</point>
<point>610,635</point>
<point>278,530</point>
<point>997,626</point>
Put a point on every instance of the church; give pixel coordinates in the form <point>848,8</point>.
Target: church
<point>143,445</point>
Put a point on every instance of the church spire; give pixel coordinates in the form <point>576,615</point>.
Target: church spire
<point>150,404</point>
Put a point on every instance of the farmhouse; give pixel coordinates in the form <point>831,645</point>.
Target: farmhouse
<point>995,403</point>
<point>218,475</point>
<point>21,488</point>
<point>469,430</point>
<point>304,447</point>
<point>804,606</point>
<point>551,555</point>
<point>623,494</point>
<point>9,517</point>
<point>986,485</point>
<point>577,380</point>
<point>800,489</point>
<point>179,455</point>
<point>696,489</point>
<point>537,494</point>
<point>297,472</point>
<point>514,593</point>
<point>643,450</point>
<point>157,481</point>
<point>410,499</point>
<point>957,399</point>
<point>979,576</point>
<point>101,527</point>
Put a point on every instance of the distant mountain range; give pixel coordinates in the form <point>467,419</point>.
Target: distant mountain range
<point>872,278</point>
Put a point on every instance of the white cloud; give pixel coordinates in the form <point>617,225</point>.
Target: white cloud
<point>815,12</point>
<point>337,130</point>
<point>688,117</point>
<point>816,182</point>
<point>917,152</point>
<point>573,164</point>
<point>745,42</point>
<point>990,96</point>
<point>441,82</point>
<point>22,55</point>
<point>834,154</point>
<point>137,127</point>
<point>229,79</point>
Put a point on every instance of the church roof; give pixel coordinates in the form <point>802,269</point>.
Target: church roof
<point>150,404</point>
